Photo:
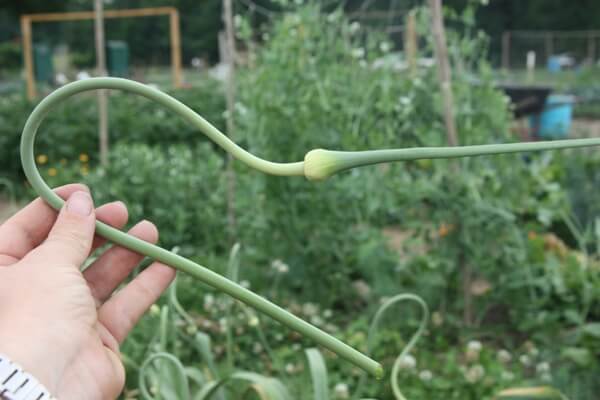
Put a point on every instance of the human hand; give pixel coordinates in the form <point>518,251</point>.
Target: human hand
<point>63,326</point>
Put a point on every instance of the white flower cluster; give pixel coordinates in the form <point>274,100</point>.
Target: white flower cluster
<point>426,375</point>
<point>280,267</point>
<point>475,373</point>
<point>341,391</point>
<point>354,27</point>
<point>209,301</point>
<point>358,52</point>
<point>310,309</point>
<point>385,47</point>
<point>504,356</point>
<point>407,362</point>
<point>473,349</point>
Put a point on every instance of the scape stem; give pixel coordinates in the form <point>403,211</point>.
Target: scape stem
<point>157,253</point>
<point>318,164</point>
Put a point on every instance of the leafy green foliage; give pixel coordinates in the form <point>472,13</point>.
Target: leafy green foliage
<point>491,243</point>
<point>10,56</point>
<point>72,130</point>
<point>150,180</point>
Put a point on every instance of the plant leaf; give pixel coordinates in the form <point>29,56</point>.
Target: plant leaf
<point>541,392</point>
<point>202,343</point>
<point>318,373</point>
<point>267,388</point>
<point>168,375</point>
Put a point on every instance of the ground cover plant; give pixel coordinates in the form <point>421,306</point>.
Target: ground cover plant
<point>527,316</point>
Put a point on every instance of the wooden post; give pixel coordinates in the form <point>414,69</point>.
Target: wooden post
<point>101,71</point>
<point>27,56</point>
<point>506,51</point>
<point>443,66</point>
<point>222,42</point>
<point>410,42</point>
<point>592,48</point>
<point>230,98</point>
<point>549,43</point>
<point>175,47</point>
<point>530,63</point>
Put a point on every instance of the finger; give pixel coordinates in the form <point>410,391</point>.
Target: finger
<point>114,214</point>
<point>120,314</point>
<point>70,239</point>
<point>108,271</point>
<point>29,227</point>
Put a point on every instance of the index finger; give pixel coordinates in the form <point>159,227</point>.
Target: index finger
<point>29,227</point>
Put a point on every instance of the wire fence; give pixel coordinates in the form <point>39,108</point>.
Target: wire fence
<point>582,47</point>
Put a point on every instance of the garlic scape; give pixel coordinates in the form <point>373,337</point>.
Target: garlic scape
<point>318,164</point>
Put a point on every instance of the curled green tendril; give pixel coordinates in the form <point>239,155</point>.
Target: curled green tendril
<point>157,253</point>
<point>411,343</point>
<point>318,164</point>
<point>177,371</point>
<point>374,329</point>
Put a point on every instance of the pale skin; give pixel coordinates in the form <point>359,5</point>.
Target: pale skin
<point>61,325</point>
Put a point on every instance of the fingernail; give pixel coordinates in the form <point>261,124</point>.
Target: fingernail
<point>119,203</point>
<point>80,203</point>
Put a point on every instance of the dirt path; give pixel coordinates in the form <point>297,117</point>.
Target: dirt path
<point>586,128</point>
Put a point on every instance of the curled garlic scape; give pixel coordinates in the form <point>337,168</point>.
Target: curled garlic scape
<point>318,164</point>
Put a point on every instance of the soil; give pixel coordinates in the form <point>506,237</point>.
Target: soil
<point>586,128</point>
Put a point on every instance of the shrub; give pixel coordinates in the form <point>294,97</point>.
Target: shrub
<point>180,188</point>
<point>71,129</point>
<point>10,56</point>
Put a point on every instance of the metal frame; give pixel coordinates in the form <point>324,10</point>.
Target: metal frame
<point>174,32</point>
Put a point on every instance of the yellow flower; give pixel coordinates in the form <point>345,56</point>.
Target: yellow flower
<point>531,235</point>
<point>84,157</point>
<point>84,170</point>
<point>445,229</point>
<point>42,159</point>
<point>52,171</point>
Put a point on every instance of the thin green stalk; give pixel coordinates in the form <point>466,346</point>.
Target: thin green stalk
<point>318,164</point>
<point>321,164</point>
<point>157,253</point>
<point>168,360</point>
<point>374,328</point>
<point>581,239</point>
<point>174,301</point>
<point>233,269</point>
<point>163,330</point>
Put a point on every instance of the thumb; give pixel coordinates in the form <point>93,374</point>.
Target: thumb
<point>70,240</point>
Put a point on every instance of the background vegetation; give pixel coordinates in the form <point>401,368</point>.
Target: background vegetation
<point>201,21</point>
<point>504,250</point>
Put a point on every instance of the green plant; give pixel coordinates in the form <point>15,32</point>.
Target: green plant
<point>72,129</point>
<point>10,56</point>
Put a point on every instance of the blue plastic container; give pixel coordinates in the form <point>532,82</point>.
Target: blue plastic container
<point>555,121</point>
<point>553,64</point>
